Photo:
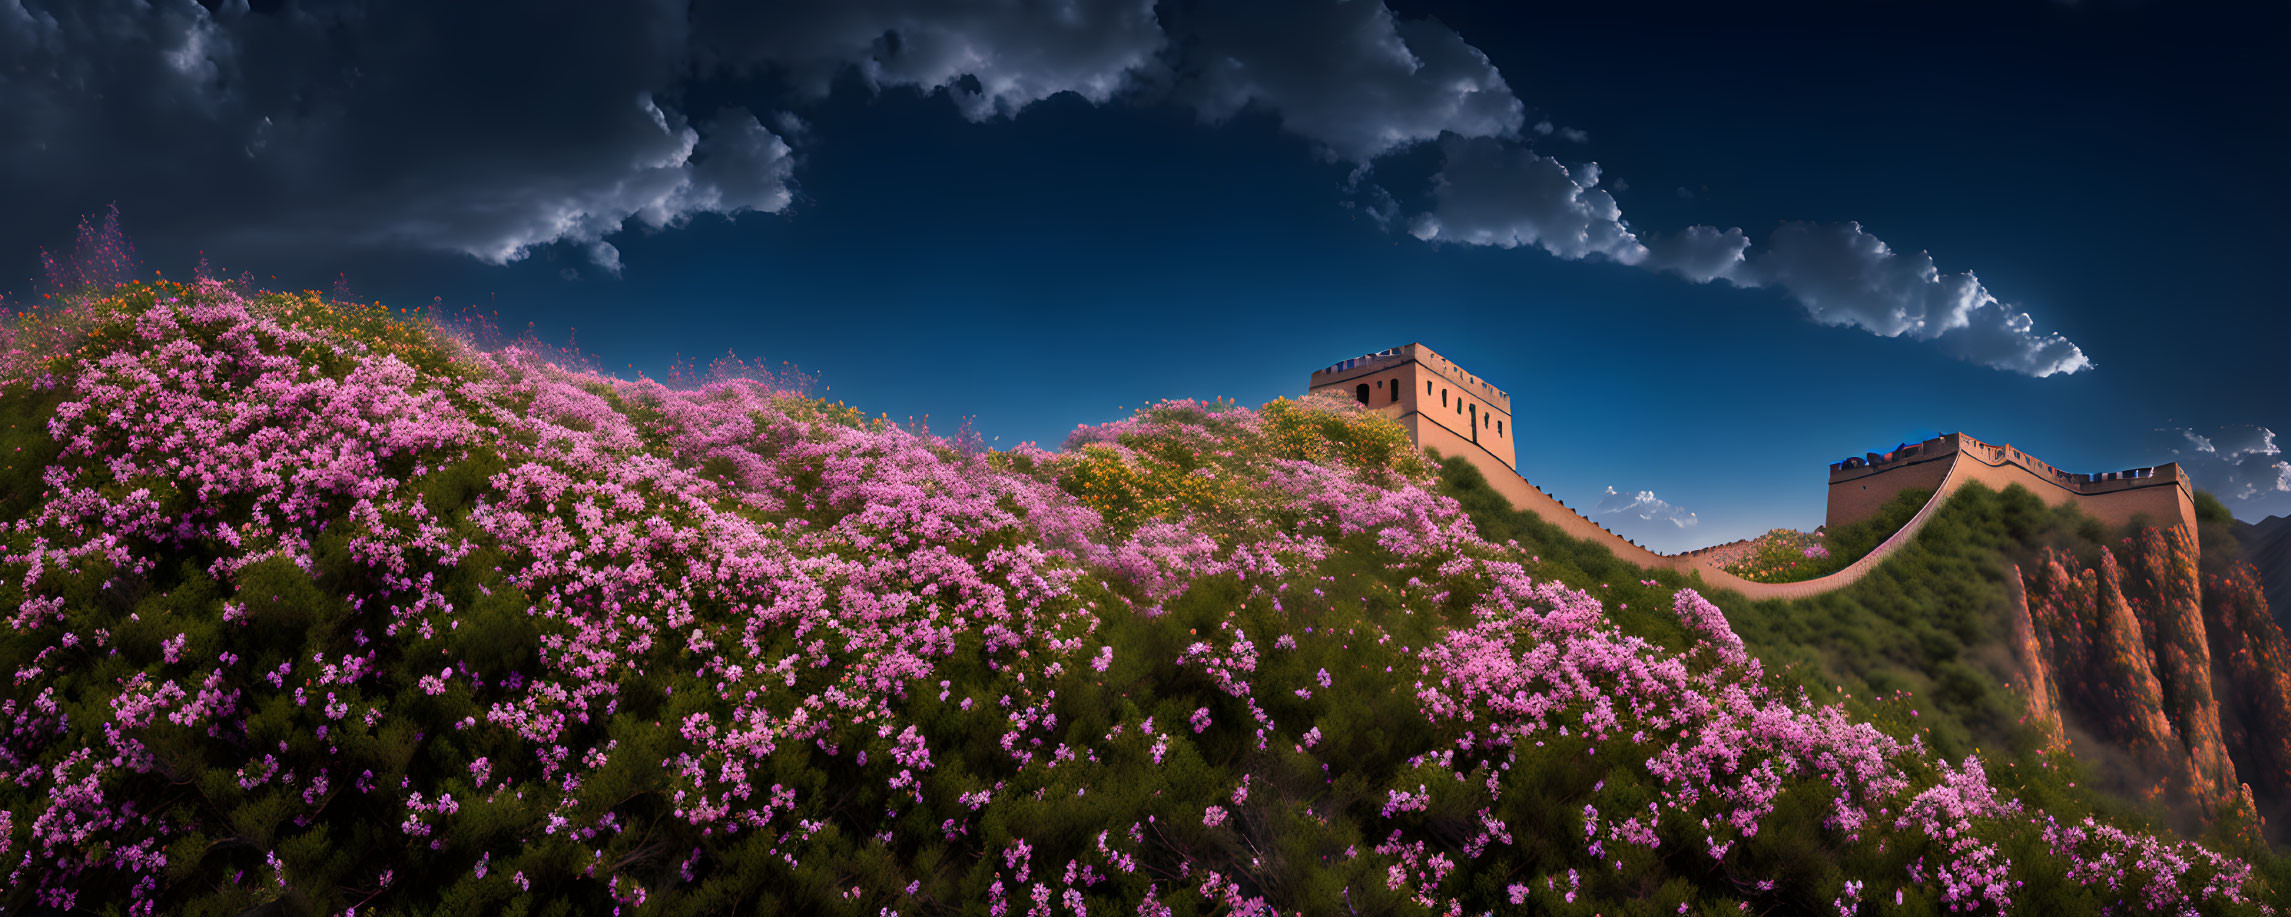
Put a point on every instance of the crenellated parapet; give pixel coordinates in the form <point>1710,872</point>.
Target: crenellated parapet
<point>1447,409</point>
<point>1861,484</point>
<point>1945,445</point>
<point>1368,365</point>
<point>1423,390</point>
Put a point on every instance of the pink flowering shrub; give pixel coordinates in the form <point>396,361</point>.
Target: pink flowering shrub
<point>314,610</point>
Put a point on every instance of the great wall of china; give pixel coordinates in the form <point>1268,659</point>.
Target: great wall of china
<point>1456,413</point>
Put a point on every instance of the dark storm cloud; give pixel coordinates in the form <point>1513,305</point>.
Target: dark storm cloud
<point>495,129</point>
<point>990,58</point>
<point>474,128</point>
<point>1348,76</point>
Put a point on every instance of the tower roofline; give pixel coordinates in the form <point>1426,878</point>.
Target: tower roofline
<point>1370,364</point>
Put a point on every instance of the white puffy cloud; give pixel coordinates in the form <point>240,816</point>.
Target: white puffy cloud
<point>1346,74</point>
<point>2239,462</point>
<point>1645,506</point>
<point>1843,275</point>
<point>1489,192</point>
<point>1493,193</point>
<point>2238,442</point>
<point>1699,253</point>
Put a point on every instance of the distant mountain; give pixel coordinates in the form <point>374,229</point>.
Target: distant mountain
<point>2267,545</point>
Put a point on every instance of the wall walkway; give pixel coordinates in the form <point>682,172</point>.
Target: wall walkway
<point>1965,467</point>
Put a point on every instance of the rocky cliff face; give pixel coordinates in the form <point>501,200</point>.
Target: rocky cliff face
<point>2105,674</point>
<point>2267,545</point>
<point>2035,679</point>
<point>2176,684</point>
<point>2252,669</point>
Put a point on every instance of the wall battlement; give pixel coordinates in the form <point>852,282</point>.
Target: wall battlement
<point>1444,368</point>
<point>1424,390</point>
<point>1861,484</point>
<point>1871,463</point>
<point>1457,414</point>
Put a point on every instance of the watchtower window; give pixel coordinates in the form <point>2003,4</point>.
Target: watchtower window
<point>1360,392</point>
<point>1427,386</point>
<point>1499,428</point>
<point>1395,389</point>
<point>1443,397</point>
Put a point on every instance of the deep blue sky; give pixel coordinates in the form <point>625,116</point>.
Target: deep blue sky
<point>2111,169</point>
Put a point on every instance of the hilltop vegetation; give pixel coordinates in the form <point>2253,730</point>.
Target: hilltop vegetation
<point>316,608</point>
<point>1789,556</point>
<point>2130,672</point>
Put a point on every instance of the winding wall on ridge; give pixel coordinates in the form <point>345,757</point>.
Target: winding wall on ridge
<point>1470,419</point>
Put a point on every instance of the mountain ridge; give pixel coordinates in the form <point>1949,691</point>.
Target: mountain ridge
<point>317,608</point>
<point>2267,544</point>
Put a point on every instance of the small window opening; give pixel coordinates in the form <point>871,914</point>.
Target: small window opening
<point>1396,389</point>
<point>1360,392</point>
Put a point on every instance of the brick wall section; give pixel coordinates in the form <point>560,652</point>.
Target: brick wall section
<point>1525,496</point>
<point>1407,384</point>
<point>2163,495</point>
<point>1857,497</point>
<point>1413,381</point>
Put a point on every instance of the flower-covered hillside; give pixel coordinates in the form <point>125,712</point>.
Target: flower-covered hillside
<point>1779,556</point>
<point>1789,556</point>
<point>315,608</point>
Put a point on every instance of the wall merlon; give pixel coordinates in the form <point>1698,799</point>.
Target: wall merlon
<point>1869,464</point>
<point>1436,401</point>
<point>1859,486</point>
<point>1368,365</point>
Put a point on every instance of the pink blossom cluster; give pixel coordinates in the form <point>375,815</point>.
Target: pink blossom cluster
<point>1709,625</point>
<point>822,580</point>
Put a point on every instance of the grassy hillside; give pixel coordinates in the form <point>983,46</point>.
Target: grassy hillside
<point>1789,556</point>
<point>313,608</point>
<point>1921,646</point>
<point>1899,640</point>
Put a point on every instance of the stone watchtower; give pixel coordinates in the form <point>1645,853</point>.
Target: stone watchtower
<point>1441,405</point>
